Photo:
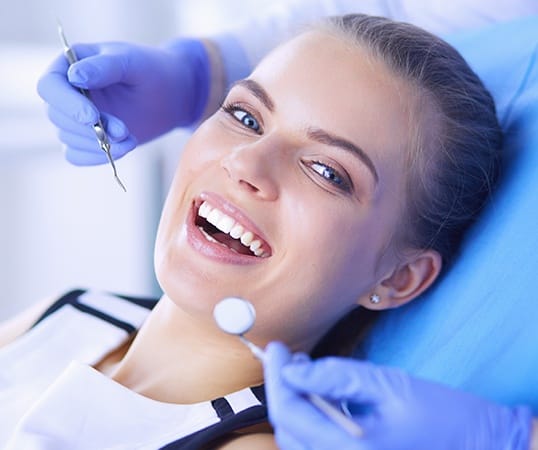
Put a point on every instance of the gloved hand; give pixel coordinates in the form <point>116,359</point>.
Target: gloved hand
<point>399,411</point>
<point>141,92</point>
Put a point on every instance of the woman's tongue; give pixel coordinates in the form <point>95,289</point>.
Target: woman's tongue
<point>232,243</point>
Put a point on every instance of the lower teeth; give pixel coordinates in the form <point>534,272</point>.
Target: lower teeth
<point>212,239</point>
<point>208,236</point>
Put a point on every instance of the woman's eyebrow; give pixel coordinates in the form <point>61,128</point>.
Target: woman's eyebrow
<point>323,137</point>
<point>258,91</point>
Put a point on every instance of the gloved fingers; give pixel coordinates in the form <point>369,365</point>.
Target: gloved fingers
<point>54,88</point>
<point>307,424</point>
<point>96,67</point>
<point>66,123</point>
<point>293,417</point>
<point>85,151</point>
<point>99,71</point>
<point>81,150</point>
<point>278,394</point>
<point>102,65</point>
<point>79,157</point>
<point>84,143</point>
<point>342,379</point>
<point>277,356</point>
<point>116,130</point>
<point>81,144</point>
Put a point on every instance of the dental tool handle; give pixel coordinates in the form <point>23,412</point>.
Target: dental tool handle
<point>98,127</point>
<point>336,415</point>
<point>256,351</point>
<point>331,411</point>
<point>72,59</point>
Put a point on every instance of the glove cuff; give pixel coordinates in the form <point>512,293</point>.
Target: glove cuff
<point>218,85</point>
<point>193,54</point>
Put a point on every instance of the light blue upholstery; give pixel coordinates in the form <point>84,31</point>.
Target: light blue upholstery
<point>478,328</point>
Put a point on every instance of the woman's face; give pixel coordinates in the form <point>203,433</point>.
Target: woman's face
<point>306,157</point>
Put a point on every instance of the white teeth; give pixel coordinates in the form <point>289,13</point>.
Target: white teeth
<point>208,237</point>
<point>236,231</point>
<point>204,210</point>
<point>227,225</point>
<point>255,245</point>
<point>247,238</point>
<point>214,217</point>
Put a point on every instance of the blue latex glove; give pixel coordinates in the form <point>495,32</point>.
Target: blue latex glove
<point>399,411</point>
<point>141,92</point>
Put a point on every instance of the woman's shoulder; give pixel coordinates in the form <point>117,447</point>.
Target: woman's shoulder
<point>122,311</point>
<point>23,321</point>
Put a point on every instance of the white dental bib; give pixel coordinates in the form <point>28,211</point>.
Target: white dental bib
<point>84,409</point>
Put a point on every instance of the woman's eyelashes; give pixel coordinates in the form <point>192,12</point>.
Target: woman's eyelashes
<point>336,178</point>
<point>243,116</point>
<point>326,172</point>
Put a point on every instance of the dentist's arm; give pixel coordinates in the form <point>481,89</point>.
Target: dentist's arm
<point>400,412</point>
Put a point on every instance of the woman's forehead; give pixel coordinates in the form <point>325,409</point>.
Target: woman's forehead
<point>329,70</point>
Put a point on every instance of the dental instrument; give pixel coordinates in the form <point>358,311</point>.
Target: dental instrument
<point>98,127</point>
<point>236,316</point>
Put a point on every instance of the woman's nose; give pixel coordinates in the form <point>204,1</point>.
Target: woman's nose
<point>254,168</point>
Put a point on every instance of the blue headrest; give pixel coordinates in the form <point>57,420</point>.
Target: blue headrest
<point>478,328</point>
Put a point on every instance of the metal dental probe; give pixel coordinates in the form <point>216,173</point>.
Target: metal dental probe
<point>98,127</point>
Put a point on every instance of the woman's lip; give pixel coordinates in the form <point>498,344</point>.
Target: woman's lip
<point>213,250</point>
<point>235,213</point>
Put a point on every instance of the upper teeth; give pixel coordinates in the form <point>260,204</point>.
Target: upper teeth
<point>228,225</point>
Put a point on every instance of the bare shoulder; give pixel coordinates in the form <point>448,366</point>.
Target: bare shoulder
<point>259,441</point>
<point>17,325</point>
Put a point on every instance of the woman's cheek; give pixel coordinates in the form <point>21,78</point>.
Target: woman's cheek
<point>204,147</point>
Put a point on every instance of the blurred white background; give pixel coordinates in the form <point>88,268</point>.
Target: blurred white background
<point>63,226</point>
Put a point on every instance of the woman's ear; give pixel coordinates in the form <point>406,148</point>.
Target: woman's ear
<point>406,282</point>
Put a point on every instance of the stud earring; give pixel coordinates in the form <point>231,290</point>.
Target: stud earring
<point>375,299</point>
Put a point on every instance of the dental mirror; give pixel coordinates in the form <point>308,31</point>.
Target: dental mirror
<point>237,316</point>
<point>234,315</point>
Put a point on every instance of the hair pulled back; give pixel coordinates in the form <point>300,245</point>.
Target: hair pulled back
<point>452,161</point>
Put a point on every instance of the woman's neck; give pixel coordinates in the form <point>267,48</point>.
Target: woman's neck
<point>176,359</point>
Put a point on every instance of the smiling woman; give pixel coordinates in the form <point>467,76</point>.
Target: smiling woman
<point>328,183</point>
<point>284,156</point>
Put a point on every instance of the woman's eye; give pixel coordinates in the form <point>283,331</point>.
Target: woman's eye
<point>244,117</point>
<point>247,119</point>
<point>330,174</point>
